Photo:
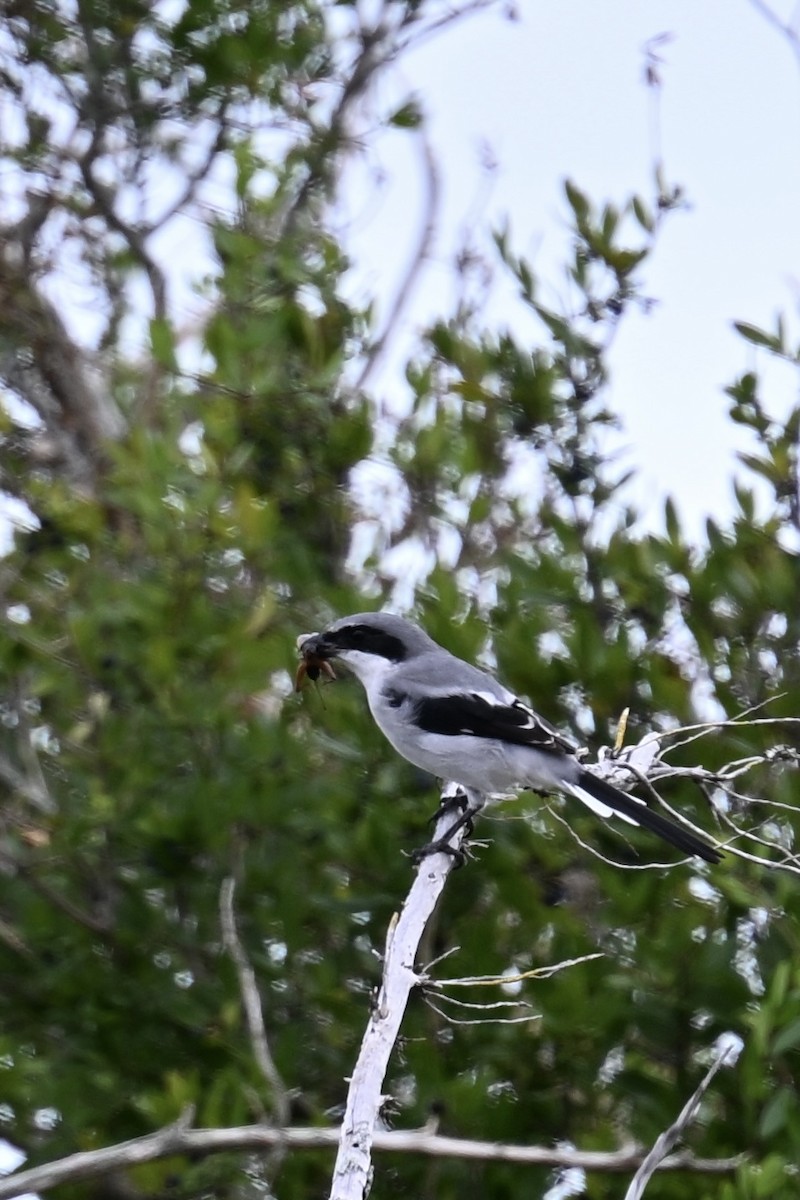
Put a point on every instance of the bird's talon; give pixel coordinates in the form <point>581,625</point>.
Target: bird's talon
<point>459,854</point>
<point>458,802</point>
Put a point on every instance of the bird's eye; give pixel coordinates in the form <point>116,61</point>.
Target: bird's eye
<point>369,640</point>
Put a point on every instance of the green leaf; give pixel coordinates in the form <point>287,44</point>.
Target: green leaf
<point>765,467</point>
<point>787,1038</point>
<point>671,520</point>
<point>408,116</point>
<point>776,1113</point>
<point>623,262</point>
<point>745,499</point>
<point>609,223</point>
<point>757,336</point>
<point>643,214</point>
<point>527,281</point>
<point>578,202</point>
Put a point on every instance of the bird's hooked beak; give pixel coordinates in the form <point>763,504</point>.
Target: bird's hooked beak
<point>321,645</point>
<point>316,650</point>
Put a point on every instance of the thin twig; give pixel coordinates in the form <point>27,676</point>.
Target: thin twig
<point>451,1020</point>
<point>786,29</point>
<point>409,278</point>
<point>703,728</point>
<point>135,237</point>
<point>483,1005</point>
<point>251,1001</point>
<point>679,817</point>
<point>195,178</point>
<point>669,1137</point>
<point>500,980</point>
<point>33,789</point>
<point>434,28</point>
<point>612,862</point>
<point>375,50</point>
<point>103,926</point>
<point>14,941</point>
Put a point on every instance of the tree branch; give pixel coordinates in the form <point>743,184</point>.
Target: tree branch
<point>788,29</point>
<point>421,252</point>
<point>669,1137</point>
<point>180,1139</point>
<point>195,178</point>
<point>87,417</point>
<point>31,787</point>
<point>353,1169</point>
<point>102,925</point>
<point>321,155</point>
<point>251,1001</point>
<point>646,763</point>
<point>136,238</point>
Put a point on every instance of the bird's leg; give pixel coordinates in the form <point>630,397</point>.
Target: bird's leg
<point>449,802</point>
<point>468,805</point>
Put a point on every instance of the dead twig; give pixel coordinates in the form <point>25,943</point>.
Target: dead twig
<point>251,1001</point>
<point>179,1138</point>
<point>665,1142</point>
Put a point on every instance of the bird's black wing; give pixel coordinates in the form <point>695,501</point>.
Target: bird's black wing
<point>482,716</point>
<point>485,716</point>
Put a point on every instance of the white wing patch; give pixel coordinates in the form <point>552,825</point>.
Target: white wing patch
<point>597,806</point>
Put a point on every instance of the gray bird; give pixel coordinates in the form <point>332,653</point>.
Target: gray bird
<point>461,725</point>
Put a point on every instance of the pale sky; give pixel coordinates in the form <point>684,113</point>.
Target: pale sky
<point>560,94</point>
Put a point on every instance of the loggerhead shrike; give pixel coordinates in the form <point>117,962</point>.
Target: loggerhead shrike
<point>459,723</point>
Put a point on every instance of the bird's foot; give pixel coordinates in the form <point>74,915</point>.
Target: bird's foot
<point>459,854</point>
<point>465,809</point>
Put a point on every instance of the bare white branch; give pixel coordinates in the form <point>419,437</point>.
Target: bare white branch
<point>665,1142</point>
<point>451,1020</point>
<point>646,763</point>
<point>180,1139</point>
<point>30,786</point>
<point>353,1168</point>
<point>503,980</point>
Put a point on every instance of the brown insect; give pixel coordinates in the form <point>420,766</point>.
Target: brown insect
<point>312,665</point>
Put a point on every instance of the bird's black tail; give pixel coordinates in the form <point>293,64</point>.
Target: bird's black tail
<point>605,799</point>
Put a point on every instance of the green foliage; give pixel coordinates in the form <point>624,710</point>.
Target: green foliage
<point>151,744</point>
